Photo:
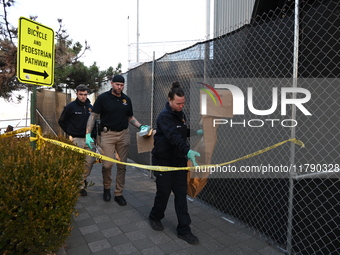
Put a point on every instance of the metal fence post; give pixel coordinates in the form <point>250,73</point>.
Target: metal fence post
<point>152,98</point>
<point>292,147</point>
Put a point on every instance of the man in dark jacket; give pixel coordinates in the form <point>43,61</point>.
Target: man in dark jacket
<point>171,149</point>
<point>73,121</point>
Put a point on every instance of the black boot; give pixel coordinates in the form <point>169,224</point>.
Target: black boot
<point>83,191</point>
<point>107,195</point>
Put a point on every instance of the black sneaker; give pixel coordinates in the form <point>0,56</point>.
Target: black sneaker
<point>156,224</point>
<point>107,195</point>
<point>83,193</point>
<point>120,200</point>
<point>189,238</point>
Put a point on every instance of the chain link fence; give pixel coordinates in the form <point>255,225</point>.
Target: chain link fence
<point>297,206</point>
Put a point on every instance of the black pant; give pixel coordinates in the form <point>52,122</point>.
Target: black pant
<point>175,181</point>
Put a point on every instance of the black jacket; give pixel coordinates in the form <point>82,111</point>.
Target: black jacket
<point>170,140</point>
<point>73,119</point>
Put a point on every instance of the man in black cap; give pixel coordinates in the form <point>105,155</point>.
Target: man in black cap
<point>114,109</point>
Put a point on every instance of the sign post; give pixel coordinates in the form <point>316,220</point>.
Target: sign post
<point>35,57</point>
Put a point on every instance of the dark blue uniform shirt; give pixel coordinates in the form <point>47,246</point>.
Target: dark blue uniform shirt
<point>170,140</point>
<point>73,119</point>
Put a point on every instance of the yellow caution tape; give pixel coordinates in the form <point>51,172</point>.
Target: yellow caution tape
<point>13,133</point>
<point>294,140</point>
<point>39,138</point>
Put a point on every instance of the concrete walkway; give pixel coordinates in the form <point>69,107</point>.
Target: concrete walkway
<point>107,228</point>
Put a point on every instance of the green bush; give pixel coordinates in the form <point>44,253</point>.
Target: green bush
<point>38,193</point>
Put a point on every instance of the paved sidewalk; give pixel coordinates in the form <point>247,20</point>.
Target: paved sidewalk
<point>107,228</point>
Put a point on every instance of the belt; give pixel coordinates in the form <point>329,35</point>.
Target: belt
<point>105,129</point>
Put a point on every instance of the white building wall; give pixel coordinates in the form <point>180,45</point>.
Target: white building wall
<point>230,15</point>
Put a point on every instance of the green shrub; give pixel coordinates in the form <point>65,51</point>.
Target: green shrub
<point>38,193</point>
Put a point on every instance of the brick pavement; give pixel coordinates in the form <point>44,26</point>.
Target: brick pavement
<point>107,228</point>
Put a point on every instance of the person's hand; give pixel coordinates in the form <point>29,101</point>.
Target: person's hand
<point>200,132</point>
<point>144,130</point>
<point>191,155</point>
<point>89,140</point>
<point>144,127</point>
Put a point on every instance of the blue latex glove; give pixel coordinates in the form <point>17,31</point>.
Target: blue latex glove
<point>200,132</point>
<point>89,140</point>
<point>143,127</point>
<point>191,155</point>
<point>144,130</point>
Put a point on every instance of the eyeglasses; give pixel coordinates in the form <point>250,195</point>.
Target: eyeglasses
<point>82,94</point>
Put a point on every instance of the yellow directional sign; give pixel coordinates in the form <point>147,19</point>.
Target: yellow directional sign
<point>35,62</point>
